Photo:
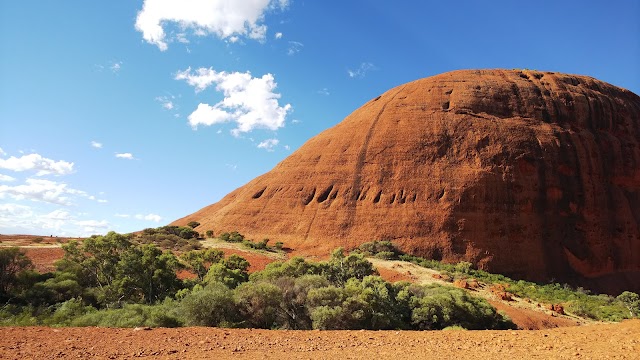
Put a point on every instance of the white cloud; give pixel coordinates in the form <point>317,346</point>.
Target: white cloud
<point>324,91</point>
<point>90,227</point>
<point>287,147</point>
<point>40,190</point>
<point>361,71</point>
<point>294,47</point>
<point>96,145</point>
<point>268,144</point>
<point>58,215</point>
<point>128,156</point>
<point>226,19</point>
<point>278,35</point>
<point>36,162</point>
<point>149,217</point>
<point>115,66</point>
<point>249,101</point>
<point>102,201</point>
<point>14,210</point>
<point>6,178</point>
<point>25,219</point>
<point>125,216</point>
<point>166,102</point>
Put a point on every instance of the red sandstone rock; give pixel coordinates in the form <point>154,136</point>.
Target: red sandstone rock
<point>535,175</point>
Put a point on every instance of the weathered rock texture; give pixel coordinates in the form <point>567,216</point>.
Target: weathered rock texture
<point>531,174</point>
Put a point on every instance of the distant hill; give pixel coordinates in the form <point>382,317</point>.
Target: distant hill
<point>532,174</point>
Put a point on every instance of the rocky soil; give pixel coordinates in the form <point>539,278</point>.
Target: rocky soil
<point>603,341</point>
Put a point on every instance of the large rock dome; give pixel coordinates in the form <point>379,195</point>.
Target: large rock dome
<point>532,174</point>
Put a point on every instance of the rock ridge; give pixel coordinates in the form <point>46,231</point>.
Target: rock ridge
<point>532,174</point>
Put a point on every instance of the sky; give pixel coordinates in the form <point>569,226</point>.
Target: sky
<point>123,115</point>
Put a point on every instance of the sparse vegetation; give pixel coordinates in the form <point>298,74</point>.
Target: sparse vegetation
<point>576,301</point>
<point>116,280</point>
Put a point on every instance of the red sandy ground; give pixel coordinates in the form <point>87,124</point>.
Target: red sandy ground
<point>603,341</point>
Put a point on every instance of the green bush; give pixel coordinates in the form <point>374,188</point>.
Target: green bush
<point>259,305</point>
<point>233,236</point>
<point>380,249</point>
<point>131,315</point>
<point>211,306</point>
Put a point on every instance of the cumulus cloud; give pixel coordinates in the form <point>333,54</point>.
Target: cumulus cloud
<point>41,190</point>
<point>268,144</point>
<point>38,163</point>
<point>25,219</point>
<point>278,35</point>
<point>250,102</point>
<point>294,47</point>
<point>6,178</point>
<point>96,145</point>
<point>226,19</point>
<point>149,217</point>
<point>128,156</point>
<point>362,70</point>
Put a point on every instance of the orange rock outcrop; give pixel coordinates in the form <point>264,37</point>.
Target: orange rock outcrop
<point>532,174</point>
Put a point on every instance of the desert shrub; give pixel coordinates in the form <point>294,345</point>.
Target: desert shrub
<point>13,262</point>
<point>386,255</point>
<point>578,302</point>
<point>381,249</point>
<point>262,245</point>
<point>293,312</point>
<point>631,301</point>
<point>294,267</point>
<point>209,233</point>
<point>233,236</point>
<point>199,261</point>
<point>341,267</point>
<point>435,307</point>
<point>37,240</point>
<point>13,315</point>
<point>231,272</point>
<point>259,304</point>
<point>131,315</point>
<point>193,224</point>
<point>211,306</point>
<point>361,304</point>
<point>66,312</point>
<point>279,245</point>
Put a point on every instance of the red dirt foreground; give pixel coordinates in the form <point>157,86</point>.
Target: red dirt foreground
<point>604,341</point>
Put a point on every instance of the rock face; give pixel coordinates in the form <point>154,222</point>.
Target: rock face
<point>531,174</point>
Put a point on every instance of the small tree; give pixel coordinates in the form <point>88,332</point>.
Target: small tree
<point>199,261</point>
<point>12,262</point>
<point>209,233</point>
<point>193,224</point>
<point>631,301</point>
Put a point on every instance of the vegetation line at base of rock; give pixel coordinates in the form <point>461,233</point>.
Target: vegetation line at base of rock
<point>121,281</point>
<point>578,301</point>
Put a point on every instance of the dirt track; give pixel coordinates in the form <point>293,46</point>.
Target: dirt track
<point>604,341</point>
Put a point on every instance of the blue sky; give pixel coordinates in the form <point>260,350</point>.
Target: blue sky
<point>122,115</point>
